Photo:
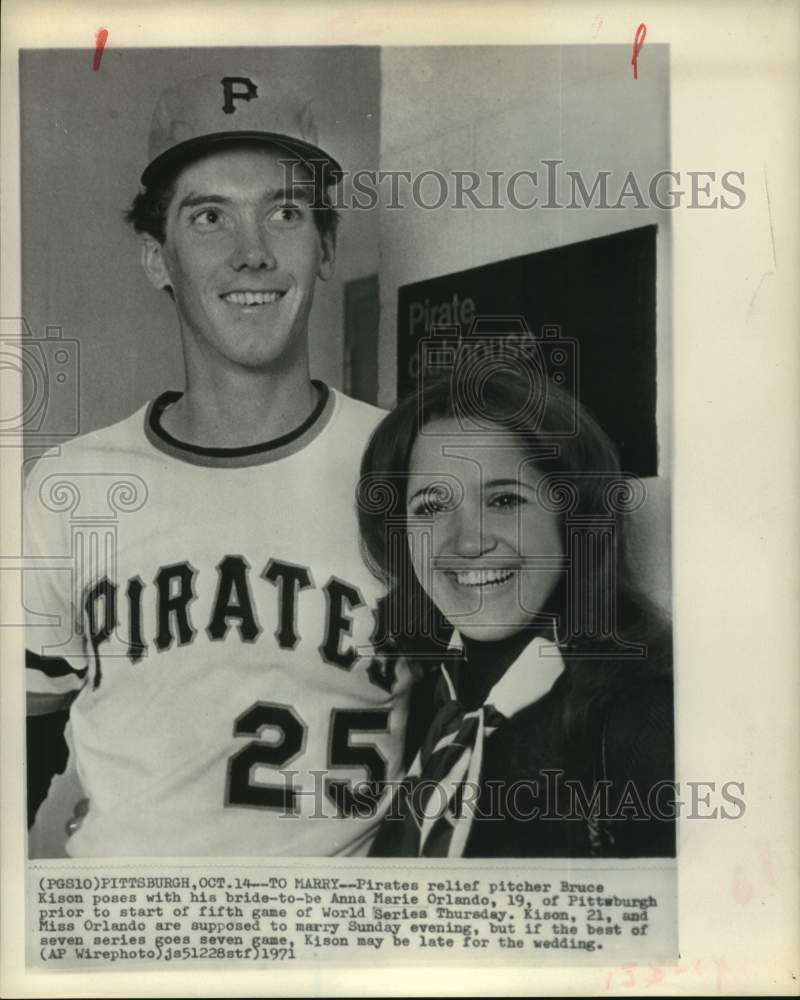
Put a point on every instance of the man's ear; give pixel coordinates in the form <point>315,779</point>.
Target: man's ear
<point>328,257</point>
<point>154,264</point>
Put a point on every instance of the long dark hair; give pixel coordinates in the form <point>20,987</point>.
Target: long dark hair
<point>582,482</point>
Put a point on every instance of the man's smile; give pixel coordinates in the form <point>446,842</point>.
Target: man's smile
<point>253,298</point>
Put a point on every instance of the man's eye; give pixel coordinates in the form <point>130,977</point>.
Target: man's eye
<point>285,216</point>
<point>207,219</point>
<point>506,501</point>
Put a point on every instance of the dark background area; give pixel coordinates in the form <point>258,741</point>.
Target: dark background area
<point>599,293</point>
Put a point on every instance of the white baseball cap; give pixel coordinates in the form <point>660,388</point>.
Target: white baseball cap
<point>193,116</point>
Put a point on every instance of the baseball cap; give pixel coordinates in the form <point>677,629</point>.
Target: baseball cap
<point>193,116</point>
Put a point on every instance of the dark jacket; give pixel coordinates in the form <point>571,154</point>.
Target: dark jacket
<point>537,788</point>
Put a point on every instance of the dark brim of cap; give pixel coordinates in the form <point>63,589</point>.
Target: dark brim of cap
<point>184,152</point>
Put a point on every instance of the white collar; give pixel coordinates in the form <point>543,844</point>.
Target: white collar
<point>529,678</point>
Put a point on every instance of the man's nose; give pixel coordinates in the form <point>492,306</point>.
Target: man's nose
<point>253,249</point>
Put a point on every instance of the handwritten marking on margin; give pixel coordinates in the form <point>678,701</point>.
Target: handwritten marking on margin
<point>100,44</point>
<point>638,42</point>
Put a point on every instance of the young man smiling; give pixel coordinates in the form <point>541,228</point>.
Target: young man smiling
<point>241,256</point>
<point>217,660</point>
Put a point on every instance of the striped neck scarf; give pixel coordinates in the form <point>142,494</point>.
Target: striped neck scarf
<point>437,799</point>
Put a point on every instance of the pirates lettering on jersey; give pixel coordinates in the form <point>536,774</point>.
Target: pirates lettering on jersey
<point>103,595</point>
<point>234,609</point>
<point>233,601</point>
<point>289,579</point>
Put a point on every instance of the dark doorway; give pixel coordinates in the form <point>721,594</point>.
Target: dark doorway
<point>361,317</point>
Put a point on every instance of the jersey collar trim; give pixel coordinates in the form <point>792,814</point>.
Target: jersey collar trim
<point>256,454</point>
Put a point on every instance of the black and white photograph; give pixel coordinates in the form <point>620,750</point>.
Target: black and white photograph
<point>234,540</point>
<point>349,412</point>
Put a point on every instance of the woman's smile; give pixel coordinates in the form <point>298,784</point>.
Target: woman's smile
<point>482,546</point>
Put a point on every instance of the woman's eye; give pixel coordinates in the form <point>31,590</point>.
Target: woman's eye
<point>425,508</point>
<point>506,501</point>
<point>431,507</point>
<point>428,504</point>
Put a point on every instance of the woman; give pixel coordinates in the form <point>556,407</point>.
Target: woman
<point>546,694</point>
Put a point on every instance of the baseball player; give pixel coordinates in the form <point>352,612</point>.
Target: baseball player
<point>199,598</point>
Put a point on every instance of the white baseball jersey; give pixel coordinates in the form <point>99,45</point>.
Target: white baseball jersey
<point>212,608</point>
